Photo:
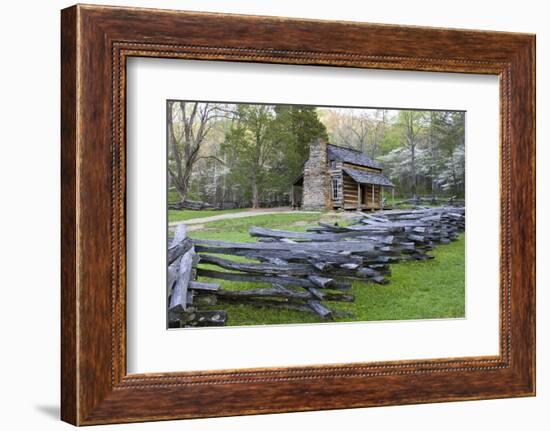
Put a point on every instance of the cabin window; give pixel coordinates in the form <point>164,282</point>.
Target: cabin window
<point>335,196</point>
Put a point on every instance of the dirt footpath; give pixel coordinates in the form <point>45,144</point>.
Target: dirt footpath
<point>241,214</point>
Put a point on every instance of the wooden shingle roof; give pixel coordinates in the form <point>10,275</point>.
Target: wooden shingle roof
<point>364,177</point>
<point>348,155</point>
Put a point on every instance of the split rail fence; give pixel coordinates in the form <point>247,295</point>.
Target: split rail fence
<point>303,271</point>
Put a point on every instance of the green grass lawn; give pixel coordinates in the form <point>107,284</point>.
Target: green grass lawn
<point>417,290</point>
<point>182,215</point>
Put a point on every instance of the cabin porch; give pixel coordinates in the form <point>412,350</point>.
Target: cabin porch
<point>358,192</point>
<point>360,196</point>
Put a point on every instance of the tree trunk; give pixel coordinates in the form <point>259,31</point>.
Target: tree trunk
<point>183,187</point>
<point>413,168</point>
<point>255,200</point>
<point>185,149</point>
<point>432,154</point>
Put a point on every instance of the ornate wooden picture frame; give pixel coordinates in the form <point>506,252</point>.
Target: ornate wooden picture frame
<point>96,41</point>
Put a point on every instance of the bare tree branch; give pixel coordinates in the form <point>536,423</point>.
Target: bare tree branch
<point>212,157</point>
<point>196,123</point>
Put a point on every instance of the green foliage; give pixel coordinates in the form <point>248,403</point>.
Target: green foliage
<point>173,197</point>
<point>267,146</point>
<point>295,128</point>
<point>250,154</point>
<point>391,140</point>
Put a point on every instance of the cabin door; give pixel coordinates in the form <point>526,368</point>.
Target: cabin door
<point>369,196</point>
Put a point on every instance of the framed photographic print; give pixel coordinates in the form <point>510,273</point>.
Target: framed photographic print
<point>321,214</point>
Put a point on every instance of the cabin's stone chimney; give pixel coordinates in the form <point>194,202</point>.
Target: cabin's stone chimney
<point>315,191</point>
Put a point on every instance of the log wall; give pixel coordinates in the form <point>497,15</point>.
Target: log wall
<point>367,201</point>
<point>361,168</point>
<point>351,194</point>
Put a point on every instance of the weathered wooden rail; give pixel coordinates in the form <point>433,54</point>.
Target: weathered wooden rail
<point>292,286</point>
<point>302,270</point>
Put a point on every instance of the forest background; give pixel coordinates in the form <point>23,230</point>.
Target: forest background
<point>248,155</point>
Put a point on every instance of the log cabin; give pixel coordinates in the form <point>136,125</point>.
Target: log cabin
<point>335,177</point>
